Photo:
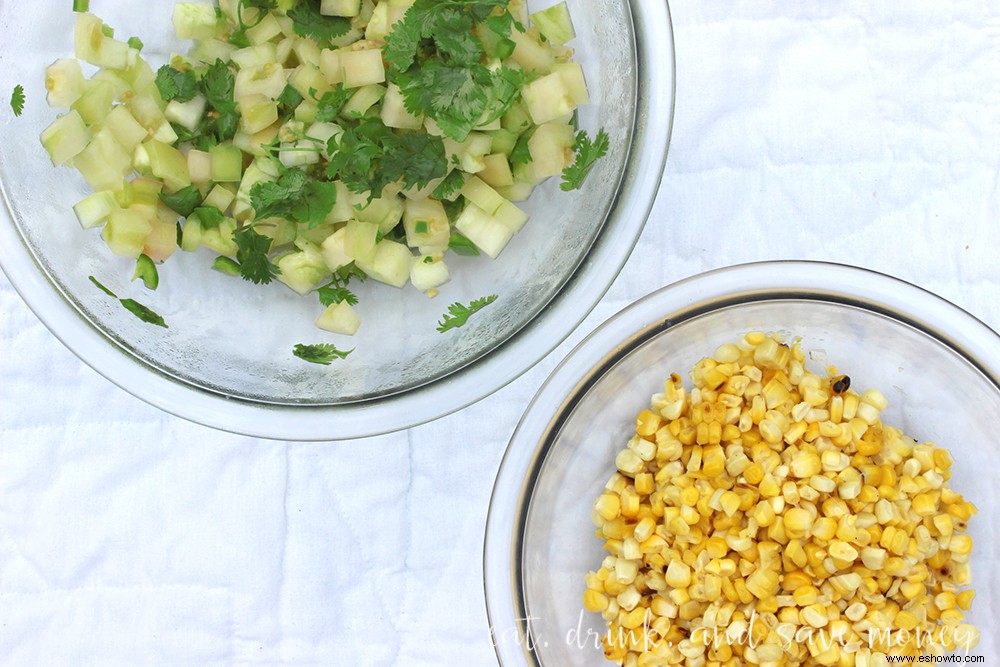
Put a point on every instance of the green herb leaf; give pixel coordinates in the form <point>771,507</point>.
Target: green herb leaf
<point>145,269</point>
<point>309,22</point>
<point>331,103</point>
<point>458,314</point>
<point>330,294</point>
<point>101,287</point>
<point>174,84</point>
<point>461,245</point>
<point>209,216</point>
<point>17,100</point>
<point>451,184</point>
<point>252,256</point>
<point>218,85</point>
<point>322,353</point>
<point>184,201</point>
<point>143,312</point>
<point>294,196</point>
<point>587,153</point>
<point>289,98</point>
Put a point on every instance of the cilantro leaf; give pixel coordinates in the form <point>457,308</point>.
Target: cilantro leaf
<point>458,314</point>
<point>331,103</point>
<point>416,158</point>
<point>330,294</point>
<point>17,100</point>
<point>174,84</point>
<point>251,255</point>
<point>587,153</point>
<point>218,85</point>
<point>184,201</point>
<point>294,196</point>
<point>209,216</point>
<point>289,98</point>
<point>445,25</point>
<point>322,353</point>
<point>309,22</point>
<point>144,313</point>
<point>451,184</point>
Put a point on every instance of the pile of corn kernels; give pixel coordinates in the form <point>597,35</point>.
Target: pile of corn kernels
<point>767,516</point>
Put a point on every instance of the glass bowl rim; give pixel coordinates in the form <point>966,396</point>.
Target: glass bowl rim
<point>510,359</point>
<point>663,309</point>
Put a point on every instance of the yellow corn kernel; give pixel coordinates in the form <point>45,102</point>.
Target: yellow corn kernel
<point>911,589</point>
<point>824,528</point>
<point>842,551</point>
<point>796,580</point>
<point>644,484</point>
<point>946,600</point>
<point>762,583</point>
<point>644,529</point>
<point>806,595</point>
<point>753,474</point>
<point>647,423</point>
<point>608,506</point>
<point>595,601</point>
<point>926,504</point>
<point>797,522</point>
<point>815,615</point>
<point>964,599</point>
<point>730,502</point>
<point>678,574</point>
<point>960,544</point>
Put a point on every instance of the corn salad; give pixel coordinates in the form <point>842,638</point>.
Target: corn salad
<point>767,516</point>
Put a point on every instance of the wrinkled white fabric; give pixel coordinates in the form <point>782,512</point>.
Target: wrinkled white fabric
<point>864,133</point>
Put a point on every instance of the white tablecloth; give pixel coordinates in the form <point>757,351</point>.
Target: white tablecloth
<point>865,133</point>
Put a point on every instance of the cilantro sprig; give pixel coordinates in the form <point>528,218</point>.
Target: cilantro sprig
<point>436,58</point>
<point>17,100</point>
<point>320,353</point>
<point>458,314</point>
<point>217,84</point>
<point>309,22</point>
<point>252,256</point>
<point>294,196</point>
<point>370,156</point>
<point>587,153</point>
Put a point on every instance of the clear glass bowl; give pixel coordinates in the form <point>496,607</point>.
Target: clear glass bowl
<point>938,366</point>
<point>225,359</point>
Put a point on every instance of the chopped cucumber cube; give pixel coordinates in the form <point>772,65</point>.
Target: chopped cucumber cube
<point>93,210</point>
<point>64,82</point>
<point>390,264</point>
<point>126,232</point>
<point>554,23</point>
<point>65,138</point>
<point>194,20</point>
<point>340,318</point>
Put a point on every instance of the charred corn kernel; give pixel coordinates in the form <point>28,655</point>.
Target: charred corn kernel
<point>762,493</point>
